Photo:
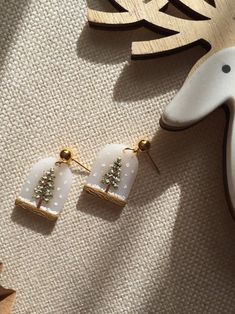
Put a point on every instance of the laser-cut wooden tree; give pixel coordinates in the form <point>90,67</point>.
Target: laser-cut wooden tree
<point>211,82</point>
<point>216,30</point>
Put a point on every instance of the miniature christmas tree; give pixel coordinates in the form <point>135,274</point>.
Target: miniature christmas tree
<point>112,177</point>
<point>45,187</point>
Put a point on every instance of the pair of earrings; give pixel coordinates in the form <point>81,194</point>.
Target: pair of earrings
<point>111,178</point>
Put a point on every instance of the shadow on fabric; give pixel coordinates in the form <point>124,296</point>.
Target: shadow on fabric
<point>10,15</point>
<point>202,252</point>
<point>32,221</point>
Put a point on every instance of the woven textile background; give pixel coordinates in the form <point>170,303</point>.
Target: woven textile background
<point>172,248</point>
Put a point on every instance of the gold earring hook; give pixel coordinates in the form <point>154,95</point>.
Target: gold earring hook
<point>66,157</point>
<point>144,146</point>
<point>135,150</point>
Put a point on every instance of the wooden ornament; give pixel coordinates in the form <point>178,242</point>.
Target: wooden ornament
<point>215,30</point>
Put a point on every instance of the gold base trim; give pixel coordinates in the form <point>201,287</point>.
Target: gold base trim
<point>25,205</point>
<point>106,196</point>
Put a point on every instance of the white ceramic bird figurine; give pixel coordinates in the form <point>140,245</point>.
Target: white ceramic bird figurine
<point>211,82</point>
<point>212,85</point>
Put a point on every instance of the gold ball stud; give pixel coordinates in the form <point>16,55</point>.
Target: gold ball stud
<point>66,154</point>
<point>144,145</point>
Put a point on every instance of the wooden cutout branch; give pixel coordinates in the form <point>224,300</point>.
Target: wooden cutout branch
<point>216,31</point>
<point>7,298</point>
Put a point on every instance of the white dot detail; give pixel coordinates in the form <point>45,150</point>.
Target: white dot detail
<point>127,164</point>
<point>60,196</point>
<point>27,189</point>
<point>125,186</point>
<point>28,182</point>
<point>95,174</point>
<point>65,182</point>
<point>61,173</point>
<point>58,189</point>
<point>126,175</point>
<point>103,165</point>
<point>56,204</point>
<point>132,171</point>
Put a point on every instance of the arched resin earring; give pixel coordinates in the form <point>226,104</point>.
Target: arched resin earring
<point>114,172</point>
<point>47,185</point>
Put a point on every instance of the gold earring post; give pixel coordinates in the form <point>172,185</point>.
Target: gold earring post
<point>66,156</point>
<point>81,165</point>
<point>144,146</point>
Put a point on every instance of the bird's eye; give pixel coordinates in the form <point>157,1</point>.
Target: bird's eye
<point>226,68</point>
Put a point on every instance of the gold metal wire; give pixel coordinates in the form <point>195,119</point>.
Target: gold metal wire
<point>137,150</point>
<point>59,162</point>
<point>81,165</point>
<point>67,162</point>
<point>153,162</point>
<point>66,158</point>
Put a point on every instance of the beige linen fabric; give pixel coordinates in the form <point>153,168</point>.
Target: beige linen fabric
<point>172,248</point>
